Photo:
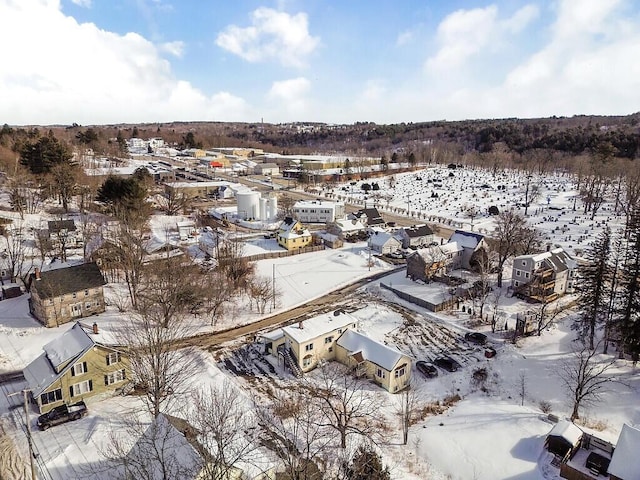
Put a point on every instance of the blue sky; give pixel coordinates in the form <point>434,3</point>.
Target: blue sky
<point>336,61</point>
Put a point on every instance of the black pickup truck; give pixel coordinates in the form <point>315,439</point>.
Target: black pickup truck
<point>62,414</point>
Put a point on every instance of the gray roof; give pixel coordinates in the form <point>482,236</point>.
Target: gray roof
<point>56,225</point>
<point>418,231</point>
<point>62,281</point>
<point>375,352</point>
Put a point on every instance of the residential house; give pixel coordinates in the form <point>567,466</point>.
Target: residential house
<point>173,448</point>
<point>583,456</point>
<point>369,217</point>
<point>333,336</point>
<point>438,260</point>
<point>418,236</point>
<point>347,229</point>
<point>470,243</point>
<point>266,169</point>
<point>63,234</point>
<point>625,462</point>
<point>384,242</point>
<point>544,276</point>
<point>79,364</point>
<point>5,269</point>
<point>318,211</point>
<point>386,366</point>
<point>292,235</point>
<point>61,295</point>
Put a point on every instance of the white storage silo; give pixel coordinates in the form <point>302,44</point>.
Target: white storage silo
<point>248,204</point>
<point>272,209</point>
<point>263,209</point>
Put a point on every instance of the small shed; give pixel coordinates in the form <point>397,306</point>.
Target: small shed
<point>564,439</point>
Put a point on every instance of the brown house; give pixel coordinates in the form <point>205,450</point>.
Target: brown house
<point>59,296</point>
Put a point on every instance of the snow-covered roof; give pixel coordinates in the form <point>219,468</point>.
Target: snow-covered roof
<point>350,225</point>
<point>567,430</point>
<point>381,238</point>
<point>466,239</point>
<point>625,463</point>
<point>373,351</point>
<point>316,203</point>
<point>320,325</point>
<point>72,344</point>
<point>68,345</point>
<point>288,229</point>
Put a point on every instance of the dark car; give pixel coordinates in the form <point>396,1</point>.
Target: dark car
<point>62,414</point>
<point>476,337</point>
<point>427,369</point>
<point>447,363</point>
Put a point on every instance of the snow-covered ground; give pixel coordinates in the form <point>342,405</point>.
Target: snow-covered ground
<point>487,434</point>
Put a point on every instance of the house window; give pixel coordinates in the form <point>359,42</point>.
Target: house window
<point>113,357</point>
<point>517,283</point>
<point>339,330</point>
<point>526,274</point>
<point>51,397</point>
<point>306,361</point>
<point>86,292</point>
<point>400,372</point>
<point>74,295</point>
<point>328,340</point>
<point>524,263</point>
<point>114,377</point>
<point>80,388</point>
<point>87,305</point>
<point>330,349</point>
<point>380,373</point>
<point>309,347</point>
<point>51,301</point>
<point>79,368</point>
<point>517,273</point>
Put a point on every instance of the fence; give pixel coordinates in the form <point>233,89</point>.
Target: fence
<point>278,254</point>
<point>432,307</point>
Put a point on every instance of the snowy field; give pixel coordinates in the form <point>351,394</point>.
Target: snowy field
<point>487,435</point>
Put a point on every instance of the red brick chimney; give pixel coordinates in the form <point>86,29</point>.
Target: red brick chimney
<point>95,328</point>
<point>300,326</point>
<point>37,273</point>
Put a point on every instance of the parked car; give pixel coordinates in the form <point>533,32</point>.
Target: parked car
<point>447,363</point>
<point>62,414</point>
<point>427,369</point>
<point>476,337</point>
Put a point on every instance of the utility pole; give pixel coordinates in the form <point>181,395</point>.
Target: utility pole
<point>408,203</point>
<point>28,425</point>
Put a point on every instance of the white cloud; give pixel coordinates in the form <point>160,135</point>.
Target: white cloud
<point>404,38</point>
<point>272,35</point>
<point>173,48</point>
<point>87,75</point>
<point>291,95</point>
<point>82,3</point>
<point>465,33</point>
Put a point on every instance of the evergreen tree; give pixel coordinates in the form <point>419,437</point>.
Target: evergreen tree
<point>628,315</point>
<point>593,284</point>
<point>42,154</point>
<point>367,465</point>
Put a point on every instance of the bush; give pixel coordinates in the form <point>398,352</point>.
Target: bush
<point>545,407</point>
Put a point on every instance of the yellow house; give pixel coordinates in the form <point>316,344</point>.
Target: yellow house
<point>292,234</point>
<point>81,363</point>
<point>333,336</point>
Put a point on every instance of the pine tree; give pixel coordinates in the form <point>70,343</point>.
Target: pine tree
<point>367,465</point>
<point>628,314</point>
<point>593,283</point>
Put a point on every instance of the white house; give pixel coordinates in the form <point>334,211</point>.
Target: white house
<point>384,242</point>
<point>544,276</point>
<point>318,211</point>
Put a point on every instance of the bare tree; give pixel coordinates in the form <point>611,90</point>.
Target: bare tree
<point>131,242</point>
<point>262,292</point>
<point>408,409</point>
<point>227,431</point>
<point>173,202</point>
<point>510,232</point>
<point>522,386</point>
<point>531,191</point>
<point>346,405</point>
<point>292,426</point>
<point>547,313</point>
<point>15,251</point>
<point>162,371</point>
<point>586,377</point>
